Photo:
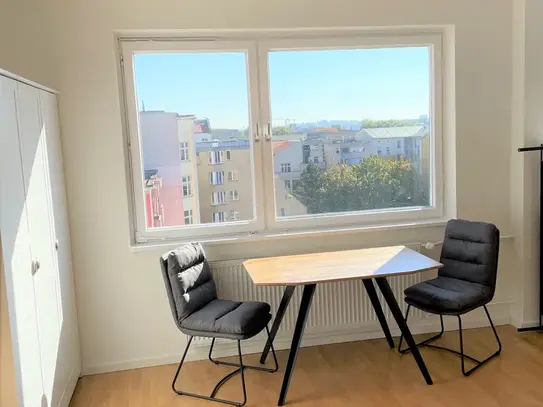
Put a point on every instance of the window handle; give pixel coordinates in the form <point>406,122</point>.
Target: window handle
<point>257,134</point>
<point>269,134</point>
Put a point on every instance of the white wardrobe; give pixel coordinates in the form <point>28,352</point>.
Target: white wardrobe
<point>36,246</point>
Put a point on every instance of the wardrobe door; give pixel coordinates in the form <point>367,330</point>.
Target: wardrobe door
<point>68,357</point>
<point>16,253</point>
<point>39,208</point>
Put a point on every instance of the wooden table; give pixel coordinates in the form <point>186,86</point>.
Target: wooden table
<point>311,269</point>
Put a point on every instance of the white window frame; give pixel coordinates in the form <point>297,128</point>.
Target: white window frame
<point>186,182</point>
<point>233,175</point>
<point>217,176</point>
<point>184,151</point>
<point>128,47</point>
<point>188,216</point>
<point>433,40</point>
<point>256,45</point>
<point>233,195</point>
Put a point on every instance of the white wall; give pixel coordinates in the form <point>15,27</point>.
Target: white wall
<point>25,47</point>
<point>123,311</point>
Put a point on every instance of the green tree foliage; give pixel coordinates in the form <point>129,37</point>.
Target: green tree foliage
<point>376,183</point>
<point>281,131</point>
<point>374,124</point>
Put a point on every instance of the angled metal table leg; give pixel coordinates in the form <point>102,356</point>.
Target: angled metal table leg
<point>287,295</point>
<point>305,306</point>
<point>397,313</point>
<point>372,293</point>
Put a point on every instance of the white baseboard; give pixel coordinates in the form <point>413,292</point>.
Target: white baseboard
<point>500,312</point>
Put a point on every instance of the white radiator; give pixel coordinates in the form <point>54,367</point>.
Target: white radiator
<point>335,305</point>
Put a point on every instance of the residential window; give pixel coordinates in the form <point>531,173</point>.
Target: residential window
<point>233,195</point>
<point>216,177</point>
<point>354,193</point>
<point>233,175</point>
<point>219,217</point>
<point>188,217</point>
<point>288,185</point>
<point>184,151</point>
<point>216,157</point>
<point>234,215</point>
<point>218,198</point>
<point>186,182</point>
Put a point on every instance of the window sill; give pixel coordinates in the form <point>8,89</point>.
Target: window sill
<point>169,244</point>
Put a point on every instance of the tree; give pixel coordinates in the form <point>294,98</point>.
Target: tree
<point>281,131</point>
<point>376,183</point>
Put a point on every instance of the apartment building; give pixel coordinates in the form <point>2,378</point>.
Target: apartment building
<point>225,181</point>
<point>168,149</point>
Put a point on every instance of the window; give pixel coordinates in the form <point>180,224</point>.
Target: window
<point>233,195</point>
<point>216,157</point>
<point>233,175</point>
<point>234,215</point>
<point>216,177</point>
<point>266,80</point>
<point>220,217</point>
<point>188,217</point>
<point>186,185</point>
<point>218,198</point>
<point>184,151</point>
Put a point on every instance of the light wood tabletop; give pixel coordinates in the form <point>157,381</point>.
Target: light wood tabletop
<point>338,266</point>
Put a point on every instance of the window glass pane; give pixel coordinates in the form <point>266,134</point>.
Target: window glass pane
<point>351,129</point>
<point>194,120</point>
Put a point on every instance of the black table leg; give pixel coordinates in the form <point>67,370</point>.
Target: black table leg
<point>287,295</point>
<point>397,314</point>
<point>305,306</point>
<point>372,293</point>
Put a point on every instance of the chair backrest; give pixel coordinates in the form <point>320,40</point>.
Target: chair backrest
<point>470,252</point>
<point>188,279</point>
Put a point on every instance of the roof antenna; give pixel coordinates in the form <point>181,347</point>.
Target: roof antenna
<point>143,106</point>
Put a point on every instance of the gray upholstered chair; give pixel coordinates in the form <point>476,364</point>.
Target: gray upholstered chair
<point>197,311</point>
<point>466,281</point>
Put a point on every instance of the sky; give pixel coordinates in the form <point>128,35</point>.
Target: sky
<point>305,86</point>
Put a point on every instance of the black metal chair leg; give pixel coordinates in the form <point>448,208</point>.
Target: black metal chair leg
<point>251,367</point>
<point>463,356</point>
<point>240,369</point>
<point>424,342</point>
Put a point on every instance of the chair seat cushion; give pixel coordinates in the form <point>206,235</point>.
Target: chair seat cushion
<point>228,319</point>
<point>448,296</point>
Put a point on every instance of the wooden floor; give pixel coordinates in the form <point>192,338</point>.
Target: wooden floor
<point>350,374</point>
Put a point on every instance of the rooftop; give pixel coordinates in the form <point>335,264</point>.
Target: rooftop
<point>395,132</point>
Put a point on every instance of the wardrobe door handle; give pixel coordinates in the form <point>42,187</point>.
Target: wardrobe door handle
<point>35,266</point>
